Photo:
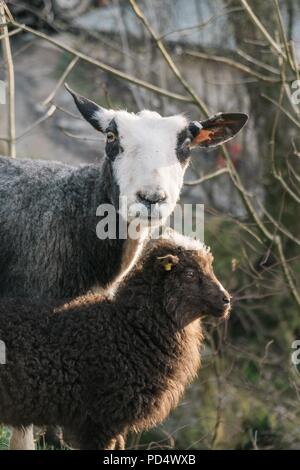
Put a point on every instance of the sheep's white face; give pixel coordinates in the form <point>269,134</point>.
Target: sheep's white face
<point>143,150</point>
<point>149,153</point>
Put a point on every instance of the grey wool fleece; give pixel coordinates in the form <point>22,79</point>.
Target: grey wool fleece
<point>48,241</point>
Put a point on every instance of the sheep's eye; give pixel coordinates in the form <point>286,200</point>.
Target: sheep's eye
<point>110,137</point>
<point>190,274</point>
<point>187,143</point>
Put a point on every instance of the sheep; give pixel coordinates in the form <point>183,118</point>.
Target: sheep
<point>100,367</point>
<point>48,210</point>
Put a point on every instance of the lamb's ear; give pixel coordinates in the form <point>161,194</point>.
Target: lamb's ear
<point>167,262</point>
<point>216,130</point>
<point>97,116</point>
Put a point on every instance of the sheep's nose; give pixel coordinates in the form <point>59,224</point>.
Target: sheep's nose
<point>151,198</point>
<point>226,299</point>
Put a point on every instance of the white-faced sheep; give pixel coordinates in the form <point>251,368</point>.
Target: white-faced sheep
<point>48,220</point>
<point>100,368</point>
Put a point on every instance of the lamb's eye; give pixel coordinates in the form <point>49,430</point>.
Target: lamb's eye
<point>190,274</point>
<point>110,137</point>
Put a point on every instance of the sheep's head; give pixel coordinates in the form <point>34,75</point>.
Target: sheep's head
<point>149,153</point>
<point>191,289</point>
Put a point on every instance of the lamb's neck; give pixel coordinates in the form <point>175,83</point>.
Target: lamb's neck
<point>142,300</point>
<point>141,304</point>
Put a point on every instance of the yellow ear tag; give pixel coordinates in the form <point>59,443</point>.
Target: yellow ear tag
<point>168,266</point>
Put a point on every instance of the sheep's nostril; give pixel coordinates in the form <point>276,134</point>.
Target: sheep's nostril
<point>151,198</point>
<point>226,300</point>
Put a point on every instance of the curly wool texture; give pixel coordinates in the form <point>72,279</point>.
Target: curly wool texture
<point>100,367</point>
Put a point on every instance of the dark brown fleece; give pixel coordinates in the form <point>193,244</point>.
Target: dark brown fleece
<point>99,367</point>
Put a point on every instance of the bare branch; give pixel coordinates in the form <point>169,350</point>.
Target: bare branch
<point>11,33</point>
<point>10,81</point>
<point>61,80</point>
<point>105,67</point>
<point>233,63</point>
<point>257,62</point>
<point>278,105</point>
<point>274,46</point>
<point>283,35</point>
<point>207,177</point>
<point>198,26</point>
<point>287,271</point>
<point>80,137</point>
<point>47,115</point>
<point>280,227</point>
<point>195,98</point>
<point>69,113</point>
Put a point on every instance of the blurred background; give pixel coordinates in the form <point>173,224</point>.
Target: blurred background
<point>221,55</point>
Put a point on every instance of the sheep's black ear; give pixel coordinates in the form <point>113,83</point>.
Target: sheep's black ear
<point>216,130</point>
<point>89,110</point>
<point>167,262</point>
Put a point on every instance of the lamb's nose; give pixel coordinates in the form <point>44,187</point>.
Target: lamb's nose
<point>151,198</point>
<point>226,299</point>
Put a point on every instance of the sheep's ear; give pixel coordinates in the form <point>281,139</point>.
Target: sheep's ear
<point>167,262</point>
<point>216,130</point>
<point>97,116</point>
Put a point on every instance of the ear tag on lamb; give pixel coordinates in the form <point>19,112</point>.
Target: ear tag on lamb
<point>168,266</point>
<point>166,262</point>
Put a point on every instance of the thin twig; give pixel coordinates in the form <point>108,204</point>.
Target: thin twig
<point>278,105</point>
<point>287,271</point>
<point>10,80</point>
<point>207,177</point>
<point>127,59</point>
<point>79,137</point>
<point>21,49</point>
<point>195,98</point>
<point>201,25</point>
<point>105,67</point>
<point>283,34</point>
<point>47,115</point>
<point>275,47</point>
<point>232,63</point>
<point>293,171</point>
<point>287,188</point>
<point>276,173</point>
<point>277,239</point>
<point>61,80</point>
<point>11,33</point>
<point>69,113</point>
<point>280,227</point>
<point>255,61</point>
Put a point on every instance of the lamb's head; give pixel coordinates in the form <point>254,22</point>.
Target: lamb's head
<point>184,268</point>
<point>149,153</point>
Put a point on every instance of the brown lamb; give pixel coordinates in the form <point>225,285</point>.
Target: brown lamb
<point>101,367</point>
